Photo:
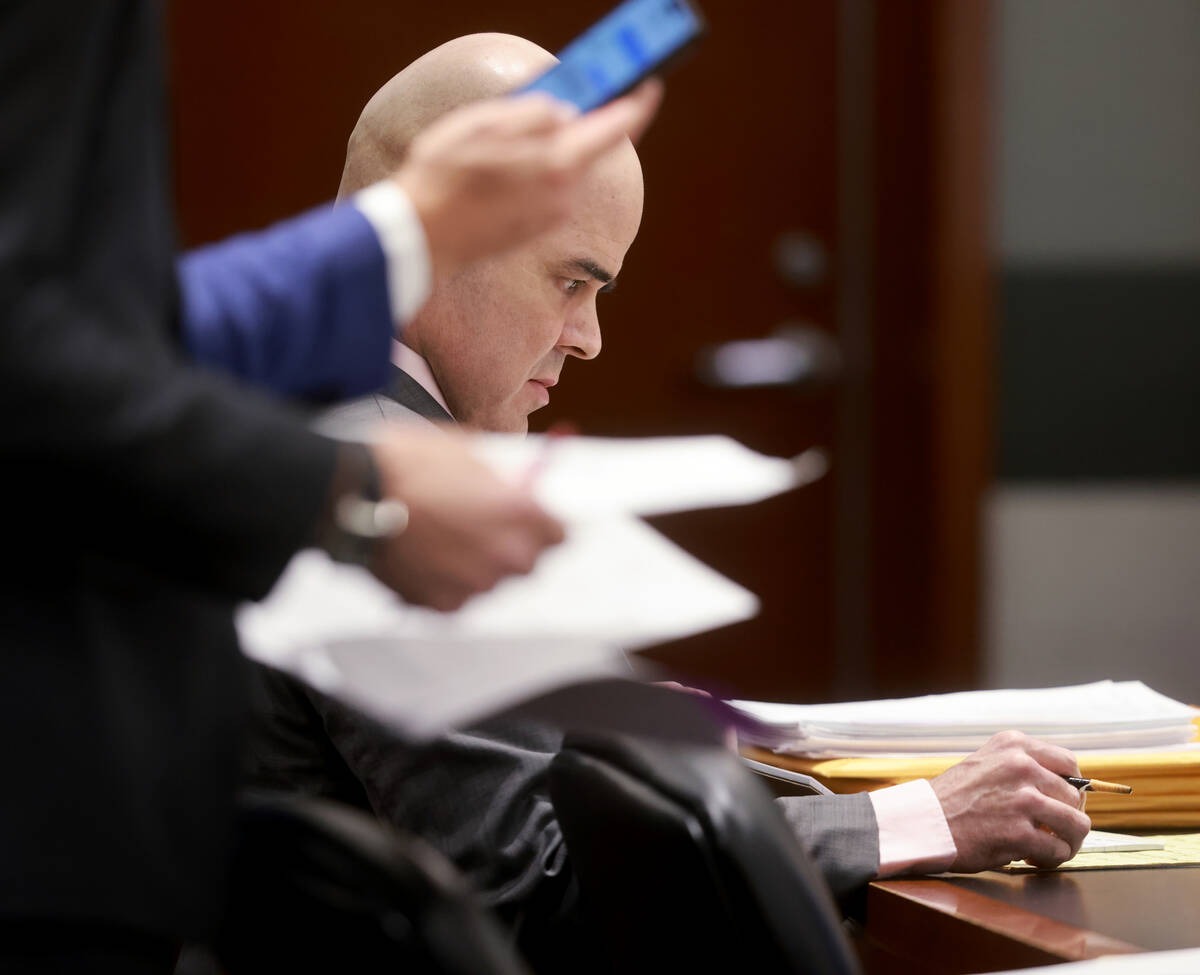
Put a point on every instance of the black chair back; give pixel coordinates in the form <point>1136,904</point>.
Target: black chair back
<point>319,886</point>
<point>684,864</point>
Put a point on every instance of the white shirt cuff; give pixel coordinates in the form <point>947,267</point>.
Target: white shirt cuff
<point>402,239</point>
<point>914,836</point>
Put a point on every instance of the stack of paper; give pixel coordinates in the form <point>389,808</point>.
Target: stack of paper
<point>1103,715</point>
<point>615,584</point>
<point>1122,732</point>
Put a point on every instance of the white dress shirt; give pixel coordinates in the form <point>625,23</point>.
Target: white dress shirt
<point>405,247</point>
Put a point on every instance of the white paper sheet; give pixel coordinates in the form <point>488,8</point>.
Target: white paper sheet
<point>1100,841</point>
<point>614,581</point>
<point>421,687</point>
<point>584,478</point>
<point>612,585</point>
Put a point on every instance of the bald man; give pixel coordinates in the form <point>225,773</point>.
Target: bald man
<point>491,341</point>
<point>485,351</point>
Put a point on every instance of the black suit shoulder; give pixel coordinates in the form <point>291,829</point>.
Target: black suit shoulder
<point>96,398</point>
<point>150,496</point>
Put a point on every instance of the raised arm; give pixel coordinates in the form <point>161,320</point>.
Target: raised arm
<point>307,307</point>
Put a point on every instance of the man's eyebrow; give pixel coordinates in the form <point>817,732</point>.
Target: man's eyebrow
<point>591,268</point>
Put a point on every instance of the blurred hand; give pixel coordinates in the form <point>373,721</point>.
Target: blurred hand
<point>1008,801</point>
<point>467,529</point>
<point>496,173</point>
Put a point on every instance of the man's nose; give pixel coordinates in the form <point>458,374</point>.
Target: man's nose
<point>581,335</point>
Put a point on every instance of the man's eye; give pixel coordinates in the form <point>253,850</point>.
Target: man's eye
<point>571,285</point>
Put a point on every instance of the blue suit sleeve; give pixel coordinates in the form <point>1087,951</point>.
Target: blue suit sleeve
<point>300,308</point>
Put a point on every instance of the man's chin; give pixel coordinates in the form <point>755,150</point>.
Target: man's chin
<point>499,424</point>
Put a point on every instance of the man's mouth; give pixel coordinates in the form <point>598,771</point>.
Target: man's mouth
<point>541,389</point>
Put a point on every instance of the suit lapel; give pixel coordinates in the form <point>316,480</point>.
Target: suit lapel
<point>412,395</point>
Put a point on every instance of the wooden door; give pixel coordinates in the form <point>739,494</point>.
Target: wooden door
<point>768,129</point>
<point>745,152</point>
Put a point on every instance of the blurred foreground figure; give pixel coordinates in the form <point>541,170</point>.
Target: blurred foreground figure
<point>146,497</point>
<point>486,350</point>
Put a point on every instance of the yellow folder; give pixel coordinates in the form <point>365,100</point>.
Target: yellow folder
<point>1166,785</point>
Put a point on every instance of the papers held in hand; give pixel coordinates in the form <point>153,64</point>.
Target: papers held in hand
<point>611,586</point>
<point>590,478</point>
<point>615,584</point>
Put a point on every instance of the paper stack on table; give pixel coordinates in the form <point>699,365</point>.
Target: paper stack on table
<point>615,584</point>
<point>1105,714</point>
<point>1120,731</point>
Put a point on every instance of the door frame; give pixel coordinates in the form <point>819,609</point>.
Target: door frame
<point>916,323</point>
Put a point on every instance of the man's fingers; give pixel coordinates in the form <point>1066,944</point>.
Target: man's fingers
<point>533,114</point>
<point>1047,850</point>
<point>590,137</point>
<point>515,555</point>
<point>446,600</point>
<point>1053,757</point>
<point>646,99</point>
<point>1039,762</point>
<point>518,544</point>
<point>1055,786</point>
<point>507,116</point>
<point>1053,764</point>
<point>530,518</point>
<point>1065,821</point>
<point>549,530</point>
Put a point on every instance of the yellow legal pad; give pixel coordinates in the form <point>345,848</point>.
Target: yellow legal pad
<point>1181,850</point>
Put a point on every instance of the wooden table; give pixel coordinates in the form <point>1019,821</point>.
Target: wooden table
<point>993,921</point>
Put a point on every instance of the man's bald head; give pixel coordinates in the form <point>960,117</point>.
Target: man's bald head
<point>466,69</point>
<point>496,332</point>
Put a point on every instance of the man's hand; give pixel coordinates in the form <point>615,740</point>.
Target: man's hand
<point>1008,801</point>
<point>467,529</point>
<point>496,173</point>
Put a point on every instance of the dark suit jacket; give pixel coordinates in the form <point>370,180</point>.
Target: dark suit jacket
<point>403,399</point>
<point>480,795</point>
<point>143,498</point>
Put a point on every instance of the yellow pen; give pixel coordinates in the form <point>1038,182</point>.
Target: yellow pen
<point>1098,785</point>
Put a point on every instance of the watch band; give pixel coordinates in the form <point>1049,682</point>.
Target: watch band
<point>358,516</point>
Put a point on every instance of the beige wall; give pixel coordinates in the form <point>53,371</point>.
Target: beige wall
<point>1098,148</point>
<point>1097,164</point>
<point>1095,582</point>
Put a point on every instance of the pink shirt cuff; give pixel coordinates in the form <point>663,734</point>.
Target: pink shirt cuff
<point>913,834</point>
